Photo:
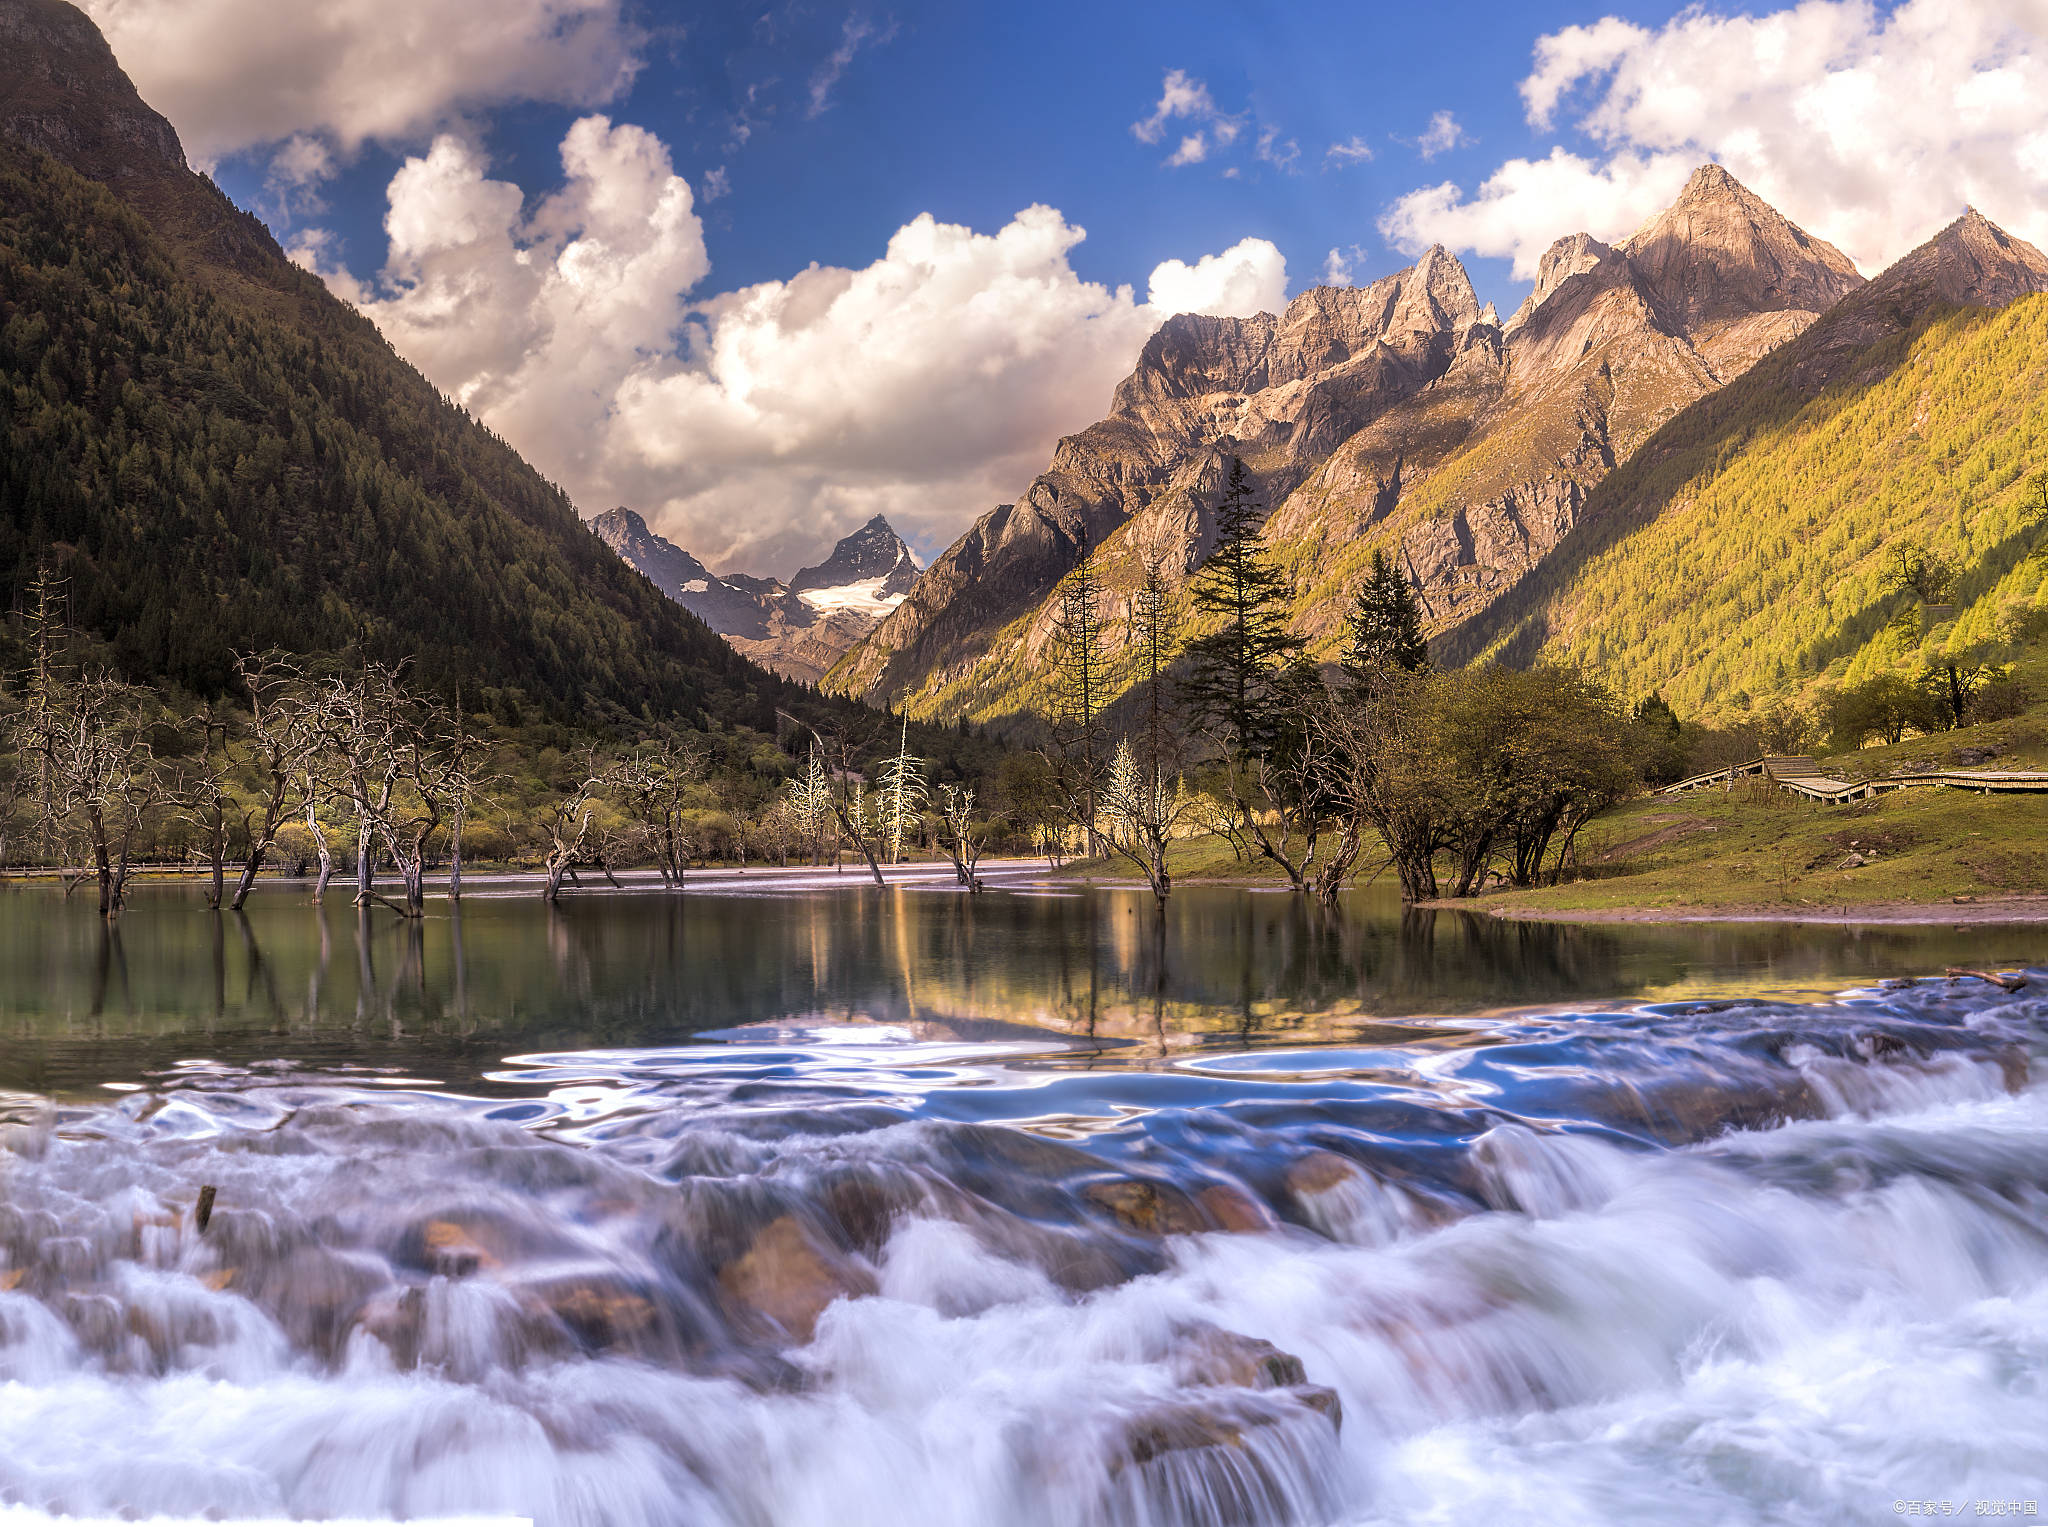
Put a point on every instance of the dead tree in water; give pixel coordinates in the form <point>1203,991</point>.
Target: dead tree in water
<point>390,757</point>
<point>655,787</point>
<point>962,843</point>
<point>568,825</point>
<point>848,794</point>
<point>105,776</point>
<point>283,737</point>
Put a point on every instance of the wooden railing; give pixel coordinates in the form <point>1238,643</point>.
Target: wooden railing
<point>1802,776</point>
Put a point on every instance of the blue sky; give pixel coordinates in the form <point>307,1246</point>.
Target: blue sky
<point>605,214</point>
<point>972,112</point>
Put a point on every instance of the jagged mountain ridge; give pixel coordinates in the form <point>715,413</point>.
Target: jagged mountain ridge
<point>798,629</point>
<point>1278,391</point>
<point>220,456</point>
<point>1399,415</point>
<point>1911,410</point>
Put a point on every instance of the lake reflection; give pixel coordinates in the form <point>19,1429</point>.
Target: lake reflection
<point>447,999</point>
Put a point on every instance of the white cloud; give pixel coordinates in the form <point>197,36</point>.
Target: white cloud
<point>1340,266</point>
<point>1344,155</point>
<point>858,32</point>
<point>1248,277</point>
<point>757,426</point>
<point>1527,204</point>
<point>1275,150</point>
<point>1442,135</point>
<point>1870,128</point>
<point>238,74</point>
<point>1184,97</point>
<point>717,183</point>
<point>1180,96</point>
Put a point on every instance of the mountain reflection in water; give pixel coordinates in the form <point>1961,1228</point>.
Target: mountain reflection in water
<point>451,995</point>
<point>977,1213</point>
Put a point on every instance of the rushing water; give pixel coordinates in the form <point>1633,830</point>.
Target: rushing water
<point>873,1209</point>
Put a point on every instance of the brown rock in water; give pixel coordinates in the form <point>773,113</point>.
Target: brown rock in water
<point>601,1311</point>
<point>1151,1208</point>
<point>1320,1171</point>
<point>1207,1449</point>
<point>1231,1208</point>
<point>788,1276</point>
<point>1215,1358</point>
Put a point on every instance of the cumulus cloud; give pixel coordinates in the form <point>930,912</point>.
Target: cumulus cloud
<point>756,426</point>
<point>1180,96</point>
<point>1871,128</point>
<point>1194,148</point>
<point>1526,204</point>
<point>1340,266</point>
<point>238,74</point>
<point>1248,277</point>
<point>1441,136</point>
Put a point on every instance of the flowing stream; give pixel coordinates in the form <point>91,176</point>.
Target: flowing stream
<point>1748,1261</point>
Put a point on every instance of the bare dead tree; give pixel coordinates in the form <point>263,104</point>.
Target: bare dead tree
<point>283,735</point>
<point>655,786</point>
<point>105,775</point>
<point>389,755</point>
<point>845,790</point>
<point>203,799</point>
<point>959,837</point>
<point>567,822</point>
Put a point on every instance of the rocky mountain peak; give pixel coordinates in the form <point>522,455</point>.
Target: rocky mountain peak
<point>1571,255</point>
<point>1973,261</point>
<point>872,552</point>
<point>1721,255</point>
<point>62,91</point>
<point>1711,182</point>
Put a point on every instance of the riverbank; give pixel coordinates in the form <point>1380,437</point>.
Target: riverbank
<point>1751,854</point>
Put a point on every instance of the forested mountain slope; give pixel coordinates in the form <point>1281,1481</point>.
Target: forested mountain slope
<point>1399,416</point>
<point>1742,555</point>
<point>219,455</point>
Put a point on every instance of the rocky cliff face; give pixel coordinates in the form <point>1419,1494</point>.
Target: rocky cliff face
<point>1281,392</point>
<point>1971,263</point>
<point>799,629</point>
<point>1399,415</point>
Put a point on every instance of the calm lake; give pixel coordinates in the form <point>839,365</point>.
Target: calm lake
<point>765,1205</point>
<point>449,998</point>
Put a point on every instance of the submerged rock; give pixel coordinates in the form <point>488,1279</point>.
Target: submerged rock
<point>788,1277</point>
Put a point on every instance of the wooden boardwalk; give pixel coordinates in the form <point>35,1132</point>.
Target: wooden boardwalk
<point>1802,776</point>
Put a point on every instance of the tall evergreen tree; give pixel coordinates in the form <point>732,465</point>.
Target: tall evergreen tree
<point>1386,624</point>
<point>1081,688</point>
<point>1236,682</point>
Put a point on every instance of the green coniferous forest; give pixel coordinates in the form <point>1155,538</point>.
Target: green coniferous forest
<point>1741,558</point>
<point>219,456</point>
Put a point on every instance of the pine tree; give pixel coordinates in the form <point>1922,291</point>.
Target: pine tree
<point>1081,679</point>
<point>1386,625</point>
<point>1236,675</point>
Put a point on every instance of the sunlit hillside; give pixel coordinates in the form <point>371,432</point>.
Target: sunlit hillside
<point>1745,557</point>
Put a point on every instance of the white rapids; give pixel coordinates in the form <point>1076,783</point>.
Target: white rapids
<point>1838,1319</point>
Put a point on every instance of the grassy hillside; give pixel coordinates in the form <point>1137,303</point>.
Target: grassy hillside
<point>1741,558</point>
<point>220,455</point>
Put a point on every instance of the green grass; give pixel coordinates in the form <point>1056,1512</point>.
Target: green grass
<point>1757,847</point>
